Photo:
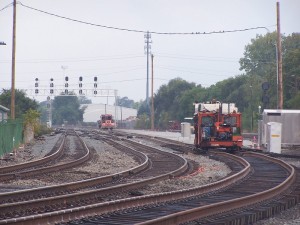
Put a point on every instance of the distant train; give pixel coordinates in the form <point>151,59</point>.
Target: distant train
<point>106,122</point>
<point>217,125</point>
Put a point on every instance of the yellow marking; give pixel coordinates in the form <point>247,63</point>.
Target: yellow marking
<point>275,135</point>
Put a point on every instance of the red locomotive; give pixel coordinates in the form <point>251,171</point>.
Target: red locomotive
<point>217,125</point>
<point>106,122</point>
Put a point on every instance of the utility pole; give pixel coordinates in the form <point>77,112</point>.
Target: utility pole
<point>279,57</point>
<point>152,105</point>
<point>12,103</point>
<point>147,51</point>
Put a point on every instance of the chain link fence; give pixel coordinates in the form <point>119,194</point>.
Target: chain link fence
<point>11,135</point>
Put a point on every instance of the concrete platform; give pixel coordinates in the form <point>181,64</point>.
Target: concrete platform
<point>177,137</point>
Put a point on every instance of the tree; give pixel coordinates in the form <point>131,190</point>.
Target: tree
<point>67,109</point>
<point>143,108</point>
<point>187,99</point>
<point>22,103</point>
<point>126,102</point>
<point>259,62</point>
<point>168,97</point>
<point>291,69</point>
<point>143,122</point>
<point>31,119</point>
<point>84,100</point>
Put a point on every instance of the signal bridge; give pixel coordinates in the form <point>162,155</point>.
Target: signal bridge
<point>72,92</point>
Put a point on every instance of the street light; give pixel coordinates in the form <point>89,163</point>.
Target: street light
<point>2,43</point>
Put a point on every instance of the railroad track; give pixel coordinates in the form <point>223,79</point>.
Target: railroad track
<point>120,211</point>
<point>114,205</point>
<point>83,198</point>
<point>252,190</point>
<point>68,188</point>
<point>261,186</point>
<point>54,162</point>
<point>10,172</point>
<point>163,142</point>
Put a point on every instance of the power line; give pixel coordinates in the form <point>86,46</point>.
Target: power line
<point>9,5</point>
<point>143,31</point>
<point>72,60</point>
<point>204,58</point>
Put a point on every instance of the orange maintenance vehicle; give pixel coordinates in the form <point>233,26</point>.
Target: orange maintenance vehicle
<point>217,125</point>
<point>106,122</point>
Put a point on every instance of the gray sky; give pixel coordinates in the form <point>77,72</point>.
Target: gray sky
<point>51,47</point>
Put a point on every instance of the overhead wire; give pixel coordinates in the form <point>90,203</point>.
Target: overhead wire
<point>206,58</point>
<point>143,31</point>
<point>9,5</point>
<point>72,60</point>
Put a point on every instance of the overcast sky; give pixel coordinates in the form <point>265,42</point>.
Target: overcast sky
<point>52,47</point>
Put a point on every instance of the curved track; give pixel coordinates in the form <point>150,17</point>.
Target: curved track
<point>132,202</point>
<point>248,186</point>
<point>260,186</point>
<point>51,163</point>
<point>88,197</point>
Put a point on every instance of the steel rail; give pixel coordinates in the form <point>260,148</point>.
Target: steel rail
<point>225,206</point>
<point>7,170</point>
<point>73,186</point>
<point>53,168</point>
<point>106,207</point>
<point>66,200</point>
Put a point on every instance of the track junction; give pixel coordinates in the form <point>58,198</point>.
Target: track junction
<point>258,187</point>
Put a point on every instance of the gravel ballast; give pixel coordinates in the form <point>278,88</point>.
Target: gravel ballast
<point>108,160</point>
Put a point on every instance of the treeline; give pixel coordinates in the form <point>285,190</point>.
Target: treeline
<point>174,101</point>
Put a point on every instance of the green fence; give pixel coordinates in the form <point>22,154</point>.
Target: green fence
<point>11,135</point>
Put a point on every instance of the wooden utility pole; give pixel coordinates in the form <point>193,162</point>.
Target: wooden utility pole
<point>279,57</point>
<point>12,102</point>
<point>152,102</point>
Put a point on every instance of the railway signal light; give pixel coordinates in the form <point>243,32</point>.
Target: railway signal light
<point>66,85</point>
<point>36,85</point>
<point>51,86</point>
<point>95,79</point>
<point>51,82</point>
<point>80,78</point>
<point>36,82</point>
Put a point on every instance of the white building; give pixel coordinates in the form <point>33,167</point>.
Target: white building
<point>93,111</point>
